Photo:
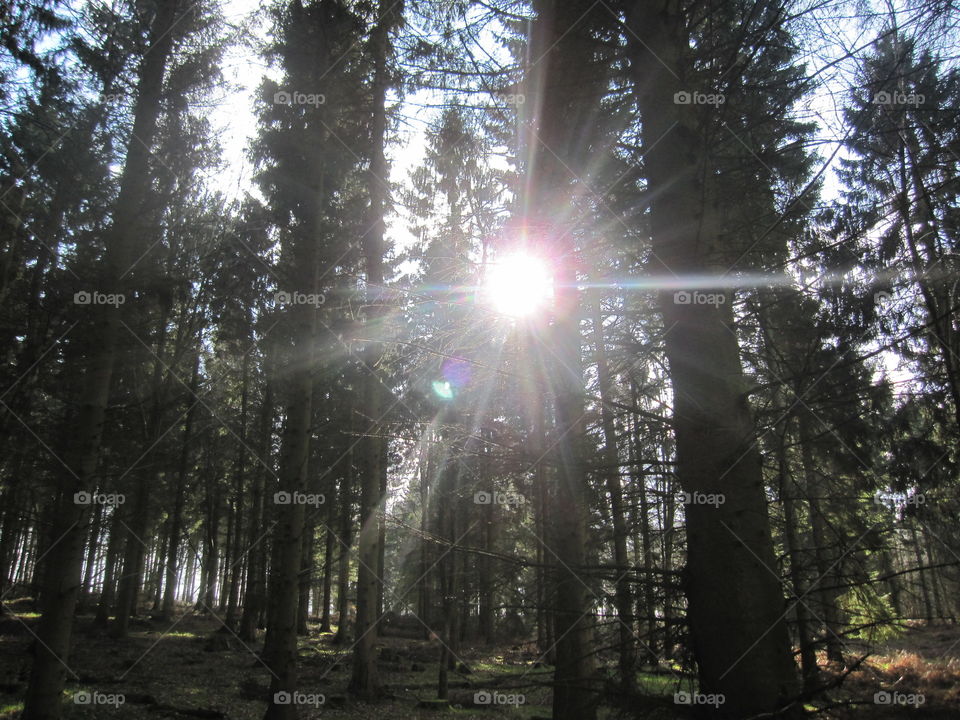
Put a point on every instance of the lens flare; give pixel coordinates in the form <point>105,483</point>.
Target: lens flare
<point>443,389</point>
<point>518,285</point>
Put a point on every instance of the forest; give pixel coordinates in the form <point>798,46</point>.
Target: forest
<point>563,359</point>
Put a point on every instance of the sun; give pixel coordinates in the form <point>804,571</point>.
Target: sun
<point>519,284</point>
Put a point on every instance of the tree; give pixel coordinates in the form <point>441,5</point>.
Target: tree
<point>364,682</point>
<point>739,635</point>
<point>65,556</point>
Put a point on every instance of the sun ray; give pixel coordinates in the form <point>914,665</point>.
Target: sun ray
<point>518,285</point>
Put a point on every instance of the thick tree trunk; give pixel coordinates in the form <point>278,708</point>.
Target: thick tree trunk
<point>301,253</point>
<point>64,561</point>
<point>735,606</point>
<point>138,523</point>
<point>565,82</point>
<point>280,648</point>
<point>364,682</point>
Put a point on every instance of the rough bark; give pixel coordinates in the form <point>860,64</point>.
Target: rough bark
<point>740,639</point>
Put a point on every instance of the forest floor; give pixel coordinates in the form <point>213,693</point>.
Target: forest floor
<point>188,670</point>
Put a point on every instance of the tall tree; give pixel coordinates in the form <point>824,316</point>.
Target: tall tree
<point>566,83</point>
<point>64,559</point>
<point>364,681</point>
<point>739,635</point>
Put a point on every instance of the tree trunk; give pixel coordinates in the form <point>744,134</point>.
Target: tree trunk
<point>424,611</point>
<point>611,459</point>
<point>545,630</point>
<point>255,597</point>
<point>735,606</point>
<point>176,520</point>
<point>825,556</point>
<point>96,528</point>
<point>642,525</point>
<point>65,559</point>
<point>306,579</point>
<point>107,592</point>
<point>488,534</point>
<point>155,583</point>
<point>210,562</point>
<point>921,575</point>
<point>364,682</point>
<point>565,83</point>
<point>791,538</point>
<point>343,563</point>
<point>237,563</point>
<point>280,647</point>
<point>329,548</point>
